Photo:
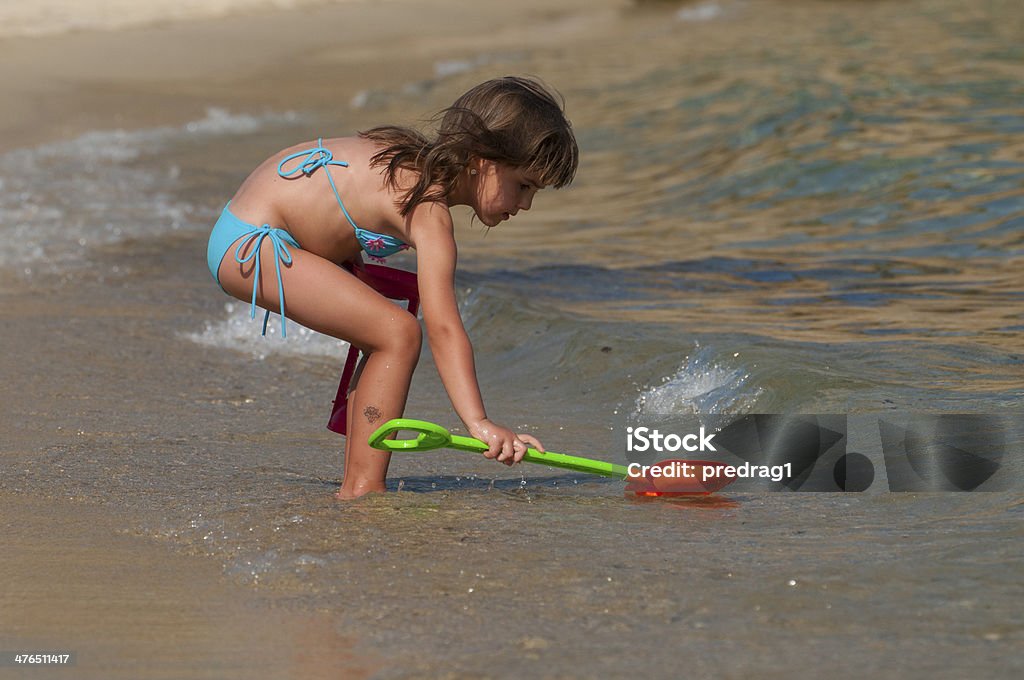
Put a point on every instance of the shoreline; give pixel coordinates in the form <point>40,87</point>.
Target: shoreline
<point>74,394</point>
<point>318,57</point>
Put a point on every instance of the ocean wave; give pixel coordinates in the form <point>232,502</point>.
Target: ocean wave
<point>62,198</point>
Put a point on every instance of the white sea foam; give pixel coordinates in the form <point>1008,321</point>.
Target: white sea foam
<point>705,11</point>
<point>442,69</point>
<point>700,385</point>
<point>238,331</point>
<point>61,198</point>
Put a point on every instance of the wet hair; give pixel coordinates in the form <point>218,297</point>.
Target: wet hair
<point>511,120</point>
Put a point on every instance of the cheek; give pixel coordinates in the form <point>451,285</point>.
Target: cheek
<point>508,194</point>
<point>494,195</point>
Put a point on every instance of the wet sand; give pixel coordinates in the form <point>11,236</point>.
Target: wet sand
<point>114,425</point>
<point>82,377</point>
<point>128,608</point>
<point>79,372</point>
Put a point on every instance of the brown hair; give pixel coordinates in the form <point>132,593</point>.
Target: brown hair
<point>511,120</point>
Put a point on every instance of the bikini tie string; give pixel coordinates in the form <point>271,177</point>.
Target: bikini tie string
<point>312,160</point>
<point>281,254</point>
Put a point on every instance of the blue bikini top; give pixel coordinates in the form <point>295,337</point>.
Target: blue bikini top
<point>376,245</point>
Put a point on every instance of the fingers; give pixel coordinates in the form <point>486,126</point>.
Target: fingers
<point>505,446</point>
<point>500,448</point>
<point>532,441</point>
<point>518,451</point>
<point>521,445</point>
<point>514,451</point>
<point>508,450</point>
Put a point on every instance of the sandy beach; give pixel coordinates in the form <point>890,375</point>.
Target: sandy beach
<point>783,207</point>
<point>129,608</point>
<point>172,614</point>
<point>62,85</point>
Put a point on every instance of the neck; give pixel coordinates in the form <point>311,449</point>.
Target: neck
<point>461,194</point>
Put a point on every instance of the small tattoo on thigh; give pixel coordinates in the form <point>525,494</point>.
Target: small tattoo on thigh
<point>372,414</point>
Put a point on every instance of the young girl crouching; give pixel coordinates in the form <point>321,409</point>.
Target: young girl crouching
<point>291,241</point>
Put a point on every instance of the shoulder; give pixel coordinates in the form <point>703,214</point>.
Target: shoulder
<point>430,225</point>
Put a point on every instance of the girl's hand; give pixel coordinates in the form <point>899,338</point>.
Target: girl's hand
<point>503,443</point>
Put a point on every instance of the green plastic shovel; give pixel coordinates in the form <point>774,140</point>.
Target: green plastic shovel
<point>430,436</point>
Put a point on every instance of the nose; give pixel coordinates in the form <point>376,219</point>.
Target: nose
<point>525,202</point>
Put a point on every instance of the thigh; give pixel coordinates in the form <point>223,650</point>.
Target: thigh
<point>318,294</point>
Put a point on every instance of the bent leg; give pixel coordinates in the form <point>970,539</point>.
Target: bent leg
<point>324,297</point>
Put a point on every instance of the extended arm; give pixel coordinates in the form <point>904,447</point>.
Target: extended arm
<point>436,256</point>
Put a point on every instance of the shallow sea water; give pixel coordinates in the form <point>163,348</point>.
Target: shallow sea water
<point>809,207</point>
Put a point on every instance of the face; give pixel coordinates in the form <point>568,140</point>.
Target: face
<point>502,191</point>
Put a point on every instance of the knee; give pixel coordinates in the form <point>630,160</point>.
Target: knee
<point>404,336</point>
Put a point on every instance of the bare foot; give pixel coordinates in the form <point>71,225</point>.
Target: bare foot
<point>350,492</point>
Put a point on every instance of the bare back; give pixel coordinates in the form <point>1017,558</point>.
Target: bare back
<point>306,207</point>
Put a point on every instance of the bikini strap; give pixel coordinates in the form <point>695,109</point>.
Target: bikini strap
<point>312,160</point>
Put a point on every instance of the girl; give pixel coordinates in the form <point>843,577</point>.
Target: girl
<point>499,144</point>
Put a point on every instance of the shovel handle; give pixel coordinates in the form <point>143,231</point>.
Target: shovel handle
<point>430,437</point>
